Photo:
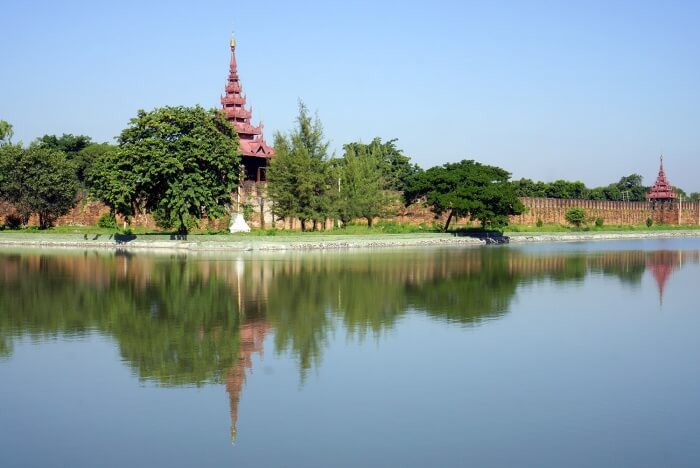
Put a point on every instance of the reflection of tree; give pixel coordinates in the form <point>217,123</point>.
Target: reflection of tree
<point>176,319</point>
<point>187,321</point>
<point>175,324</point>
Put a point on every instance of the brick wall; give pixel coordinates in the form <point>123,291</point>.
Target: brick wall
<point>553,211</point>
<point>549,210</point>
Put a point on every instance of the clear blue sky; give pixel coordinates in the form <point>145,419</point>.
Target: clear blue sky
<point>575,90</point>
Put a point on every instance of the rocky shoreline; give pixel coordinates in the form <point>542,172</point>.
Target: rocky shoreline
<point>213,243</point>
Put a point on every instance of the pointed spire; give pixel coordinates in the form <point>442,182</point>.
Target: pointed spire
<point>662,189</point>
<point>252,142</point>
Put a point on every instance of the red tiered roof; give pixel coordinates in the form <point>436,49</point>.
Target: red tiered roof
<point>661,190</point>
<point>252,142</point>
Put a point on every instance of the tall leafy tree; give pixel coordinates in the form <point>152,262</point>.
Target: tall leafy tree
<point>5,132</point>
<point>72,146</point>
<point>68,143</point>
<point>37,181</point>
<point>361,191</point>
<point>395,167</point>
<point>87,160</point>
<point>633,187</point>
<point>299,175</point>
<point>179,163</point>
<point>468,188</point>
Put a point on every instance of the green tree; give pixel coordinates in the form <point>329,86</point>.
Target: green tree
<point>468,188</point>
<point>88,160</point>
<point>576,216</point>
<point>5,132</point>
<point>633,187</point>
<point>179,163</point>
<point>566,190</point>
<point>299,177</point>
<point>361,185</point>
<point>395,167</point>
<point>680,192</point>
<point>529,188</point>
<point>73,146</point>
<point>695,196</point>
<point>37,181</point>
<point>68,143</point>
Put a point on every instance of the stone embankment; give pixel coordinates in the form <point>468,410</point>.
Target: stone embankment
<point>232,243</point>
<point>235,243</point>
<point>521,238</point>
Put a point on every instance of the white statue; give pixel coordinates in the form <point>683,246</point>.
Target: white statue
<point>238,224</point>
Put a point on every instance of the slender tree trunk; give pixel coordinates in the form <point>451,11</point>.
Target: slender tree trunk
<point>303,225</point>
<point>182,229</point>
<point>369,221</point>
<point>314,226</point>
<point>449,220</point>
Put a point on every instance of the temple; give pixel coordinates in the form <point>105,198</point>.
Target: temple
<point>661,190</point>
<point>255,151</point>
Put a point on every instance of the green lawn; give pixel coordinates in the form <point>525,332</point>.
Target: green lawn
<point>361,229</point>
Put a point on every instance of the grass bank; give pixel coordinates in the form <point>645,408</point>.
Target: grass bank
<point>379,229</point>
<point>96,238</point>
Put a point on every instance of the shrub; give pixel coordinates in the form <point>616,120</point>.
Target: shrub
<point>248,211</point>
<point>576,216</point>
<point>107,221</point>
<point>13,221</point>
<point>539,223</point>
<point>649,222</point>
<point>599,222</point>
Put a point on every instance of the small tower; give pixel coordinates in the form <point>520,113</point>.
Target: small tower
<point>661,190</point>
<point>253,147</point>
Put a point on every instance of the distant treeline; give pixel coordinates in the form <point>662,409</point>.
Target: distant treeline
<point>628,188</point>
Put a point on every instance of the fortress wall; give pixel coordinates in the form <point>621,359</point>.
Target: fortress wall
<point>553,211</point>
<point>549,210</point>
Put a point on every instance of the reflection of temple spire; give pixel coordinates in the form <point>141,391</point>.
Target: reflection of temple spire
<point>662,264</point>
<point>252,336</point>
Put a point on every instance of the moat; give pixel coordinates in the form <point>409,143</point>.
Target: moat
<point>548,355</point>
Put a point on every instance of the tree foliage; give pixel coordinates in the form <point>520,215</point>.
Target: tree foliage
<point>361,186</point>
<point>37,181</point>
<point>5,132</point>
<point>575,216</point>
<point>395,167</point>
<point>179,163</point>
<point>79,149</point>
<point>468,188</point>
<point>89,157</point>
<point>628,188</point>
<point>299,175</point>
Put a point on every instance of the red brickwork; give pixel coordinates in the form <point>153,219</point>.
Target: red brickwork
<point>553,211</point>
<point>548,210</point>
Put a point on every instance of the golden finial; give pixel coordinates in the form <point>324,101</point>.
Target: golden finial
<point>233,41</point>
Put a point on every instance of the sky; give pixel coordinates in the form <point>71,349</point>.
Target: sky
<point>589,91</point>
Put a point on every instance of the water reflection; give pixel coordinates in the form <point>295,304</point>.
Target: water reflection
<point>190,321</point>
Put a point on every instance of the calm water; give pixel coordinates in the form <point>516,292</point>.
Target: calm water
<point>544,356</point>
